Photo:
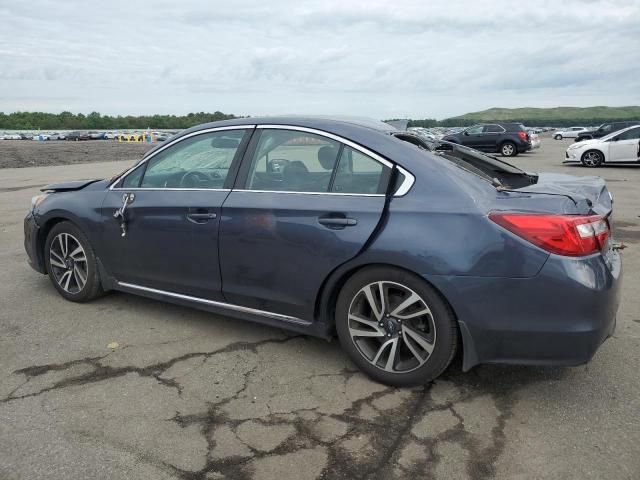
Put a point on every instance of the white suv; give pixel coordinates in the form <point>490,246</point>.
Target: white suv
<point>571,132</point>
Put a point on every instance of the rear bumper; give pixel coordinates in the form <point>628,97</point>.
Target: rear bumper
<point>559,317</point>
<point>31,233</point>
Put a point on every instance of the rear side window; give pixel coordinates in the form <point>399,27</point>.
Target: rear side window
<point>493,129</point>
<point>359,173</point>
<point>292,161</point>
<point>296,161</point>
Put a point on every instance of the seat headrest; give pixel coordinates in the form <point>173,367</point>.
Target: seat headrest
<point>327,157</point>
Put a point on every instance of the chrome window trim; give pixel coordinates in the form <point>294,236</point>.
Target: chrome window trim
<point>408,182</point>
<point>292,192</point>
<point>169,144</point>
<point>213,303</point>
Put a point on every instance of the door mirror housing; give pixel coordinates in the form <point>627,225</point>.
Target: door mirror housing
<point>465,132</point>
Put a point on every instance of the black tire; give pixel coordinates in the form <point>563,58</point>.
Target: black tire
<point>592,158</point>
<point>508,149</point>
<point>557,137</point>
<point>442,328</point>
<point>92,287</point>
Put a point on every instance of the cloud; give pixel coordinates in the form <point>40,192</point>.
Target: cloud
<point>378,58</point>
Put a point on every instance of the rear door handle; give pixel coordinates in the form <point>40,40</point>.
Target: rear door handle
<point>336,222</point>
<point>200,215</point>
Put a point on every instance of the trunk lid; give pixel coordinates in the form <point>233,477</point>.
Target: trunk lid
<point>590,194</point>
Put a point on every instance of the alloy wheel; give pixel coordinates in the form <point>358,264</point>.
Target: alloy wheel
<point>392,327</point>
<point>507,149</point>
<point>592,159</point>
<point>68,262</point>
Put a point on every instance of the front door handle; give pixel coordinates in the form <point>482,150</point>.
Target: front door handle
<point>337,221</point>
<point>200,215</point>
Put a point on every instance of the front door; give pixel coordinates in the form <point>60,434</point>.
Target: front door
<point>304,204</point>
<point>624,147</point>
<point>166,236</point>
<point>473,137</point>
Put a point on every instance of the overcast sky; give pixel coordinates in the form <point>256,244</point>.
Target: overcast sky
<point>374,58</point>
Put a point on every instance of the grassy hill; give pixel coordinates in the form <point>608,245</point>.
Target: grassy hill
<point>553,116</point>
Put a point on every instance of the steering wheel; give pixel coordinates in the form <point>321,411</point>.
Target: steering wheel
<point>194,178</point>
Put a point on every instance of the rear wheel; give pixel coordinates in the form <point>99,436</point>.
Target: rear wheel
<point>395,326</point>
<point>508,149</point>
<point>558,137</point>
<point>592,158</point>
<point>71,263</point>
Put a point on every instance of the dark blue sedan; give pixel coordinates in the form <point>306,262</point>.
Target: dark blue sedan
<point>408,250</point>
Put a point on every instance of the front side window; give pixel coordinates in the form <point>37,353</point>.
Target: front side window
<point>292,161</point>
<point>202,162</point>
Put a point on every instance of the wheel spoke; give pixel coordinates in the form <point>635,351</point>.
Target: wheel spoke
<point>409,333</point>
<point>62,240</point>
<point>56,260</point>
<point>365,321</point>
<point>78,254</point>
<point>411,300</point>
<point>370,295</point>
<point>65,279</point>
<point>79,277</point>
<point>391,344</point>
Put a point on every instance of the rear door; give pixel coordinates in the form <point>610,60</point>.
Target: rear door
<point>625,146</point>
<point>490,135</point>
<point>166,237</point>
<point>305,202</point>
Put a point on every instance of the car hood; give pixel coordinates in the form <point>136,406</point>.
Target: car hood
<point>588,193</point>
<point>68,186</point>
<point>588,141</point>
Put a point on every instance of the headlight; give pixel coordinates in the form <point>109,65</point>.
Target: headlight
<point>574,146</point>
<point>37,200</point>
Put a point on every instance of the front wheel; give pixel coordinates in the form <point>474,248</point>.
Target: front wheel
<point>71,263</point>
<point>558,137</point>
<point>508,149</point>
<point>592,158</point>
<point>395,326</point>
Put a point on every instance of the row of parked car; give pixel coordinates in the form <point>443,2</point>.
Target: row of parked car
<point>86,135</point>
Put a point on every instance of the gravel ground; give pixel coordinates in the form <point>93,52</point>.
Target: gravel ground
<point>130,388</point>
<point>19,154</point>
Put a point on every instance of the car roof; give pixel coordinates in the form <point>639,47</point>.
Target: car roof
<point>358,129</point>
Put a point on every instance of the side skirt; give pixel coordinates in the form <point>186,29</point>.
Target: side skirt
<point>272,319</point>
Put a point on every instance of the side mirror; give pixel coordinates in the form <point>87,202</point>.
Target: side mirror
<point>615,139</point>
<point>465,133</point>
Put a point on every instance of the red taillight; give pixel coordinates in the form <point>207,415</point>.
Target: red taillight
<point>571,235</point>
<point>522,135</point>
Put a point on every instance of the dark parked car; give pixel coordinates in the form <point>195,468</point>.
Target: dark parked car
<point>604,129</point>
<point>508,139</point>
<point>322,226</point>
<point>75,136</point>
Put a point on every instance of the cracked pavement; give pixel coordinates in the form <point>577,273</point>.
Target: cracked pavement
<point>191,395</point>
